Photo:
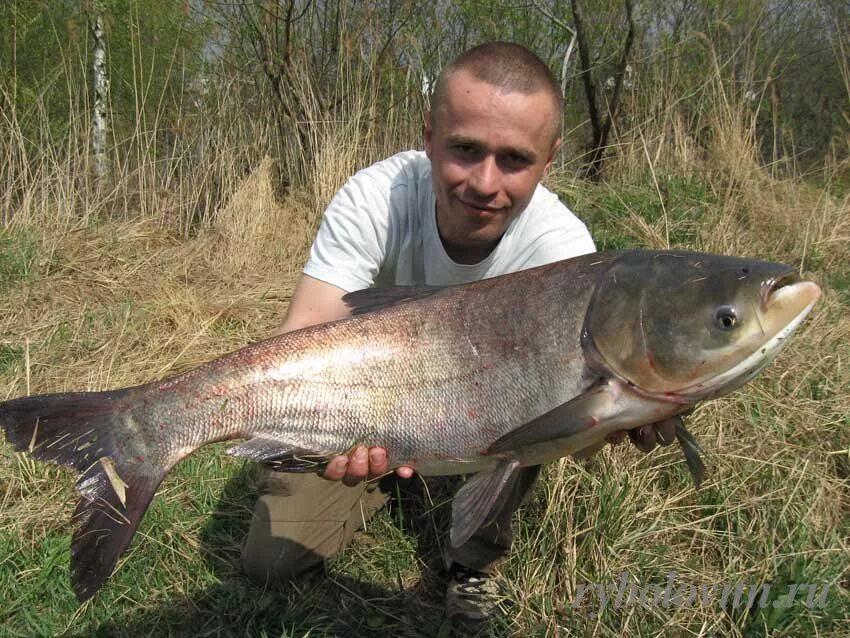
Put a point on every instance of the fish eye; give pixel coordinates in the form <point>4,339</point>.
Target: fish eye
<point>725,318</point>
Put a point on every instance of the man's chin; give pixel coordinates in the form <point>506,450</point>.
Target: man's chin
<point>477,231</point>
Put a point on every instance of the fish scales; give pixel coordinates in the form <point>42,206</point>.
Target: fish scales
<point>427,385</point>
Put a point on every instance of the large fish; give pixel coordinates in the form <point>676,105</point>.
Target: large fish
<point>485,377</point>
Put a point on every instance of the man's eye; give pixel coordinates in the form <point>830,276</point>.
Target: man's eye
<point>516,161</point>
<point>466,152</point>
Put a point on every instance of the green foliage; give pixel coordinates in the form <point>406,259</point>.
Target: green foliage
<point>155,52</point>
<point>682,201</point>
<point>155,49</point>
<point>784,63</point>
<point>42,45</point>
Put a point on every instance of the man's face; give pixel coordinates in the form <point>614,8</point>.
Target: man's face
<point>488,150</point>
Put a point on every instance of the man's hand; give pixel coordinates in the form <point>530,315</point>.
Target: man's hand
<point>646,437</point>
<point>361,463</point>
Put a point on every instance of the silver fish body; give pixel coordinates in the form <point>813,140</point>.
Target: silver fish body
<point>435,380</point>
<point>485,377</point>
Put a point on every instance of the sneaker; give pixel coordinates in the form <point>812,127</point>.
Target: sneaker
<point>471,597</point>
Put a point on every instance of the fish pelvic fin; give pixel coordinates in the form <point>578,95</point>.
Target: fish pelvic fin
<point>476,502</point>
<point>88,431</point>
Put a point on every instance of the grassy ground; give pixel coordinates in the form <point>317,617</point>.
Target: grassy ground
<point>100,305</point>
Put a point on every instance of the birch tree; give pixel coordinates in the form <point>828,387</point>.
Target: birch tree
<point>100,79</point>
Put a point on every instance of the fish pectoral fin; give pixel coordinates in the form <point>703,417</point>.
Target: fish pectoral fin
<point>475,501</point>
<point>280,456</point>
<point>568,419</point>
<point>692,451</point>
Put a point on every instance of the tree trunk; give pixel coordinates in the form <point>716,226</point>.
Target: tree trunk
<point>100,121</point>
<point>601,128</point>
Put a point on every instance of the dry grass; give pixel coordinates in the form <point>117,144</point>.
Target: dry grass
<point>99,300</point>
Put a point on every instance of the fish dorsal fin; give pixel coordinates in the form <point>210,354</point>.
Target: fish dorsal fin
<point>475,501</point>
<point>372,299</point>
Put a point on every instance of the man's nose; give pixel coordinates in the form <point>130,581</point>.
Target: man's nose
<point>484,178</point>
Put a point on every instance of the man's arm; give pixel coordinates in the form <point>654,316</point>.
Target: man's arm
<point>314,302</point>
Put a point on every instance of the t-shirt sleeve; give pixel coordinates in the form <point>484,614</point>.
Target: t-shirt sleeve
<point>350,244</point>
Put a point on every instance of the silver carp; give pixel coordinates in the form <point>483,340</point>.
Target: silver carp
<point>484,378</point>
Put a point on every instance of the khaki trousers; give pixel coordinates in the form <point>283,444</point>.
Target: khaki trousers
<point>300,520</point>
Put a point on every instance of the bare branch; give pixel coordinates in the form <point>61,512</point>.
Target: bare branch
<point>544,11</point>
<point>587,78</point>
<point>601,130</point>
<point>566,64</point>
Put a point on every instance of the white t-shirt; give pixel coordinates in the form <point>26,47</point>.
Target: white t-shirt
<point>380,229</point>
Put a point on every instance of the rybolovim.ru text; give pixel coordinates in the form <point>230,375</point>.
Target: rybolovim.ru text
<point>675,593</point>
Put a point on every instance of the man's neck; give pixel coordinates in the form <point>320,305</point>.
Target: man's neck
<point>460,253</point>
<point>465,254</point>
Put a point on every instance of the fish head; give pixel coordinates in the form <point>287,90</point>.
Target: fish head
<point>690,326</point>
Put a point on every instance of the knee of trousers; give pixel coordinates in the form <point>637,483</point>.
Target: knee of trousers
<point>298,528</point>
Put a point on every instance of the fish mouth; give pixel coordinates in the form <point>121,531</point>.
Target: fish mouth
<point>772,286</point>
<point>788,290</point>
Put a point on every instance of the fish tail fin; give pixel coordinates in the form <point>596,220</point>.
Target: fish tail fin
<point>92,432</point>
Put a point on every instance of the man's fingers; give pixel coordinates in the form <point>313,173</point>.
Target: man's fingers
<point>378,464</point>
<point>335,470</point>
<point>646,437</point>
<point>377,461</point>
<point>404,471</point>
<point>358,466</point>
<point>616,437</point>
<point>643,438</point>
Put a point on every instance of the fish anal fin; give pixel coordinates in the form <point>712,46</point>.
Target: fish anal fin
<point>474,503</point>
<point>280,456</point>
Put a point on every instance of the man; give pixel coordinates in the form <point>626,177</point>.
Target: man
<point>468,208</point>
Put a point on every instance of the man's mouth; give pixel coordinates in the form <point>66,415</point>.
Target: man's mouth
<point>480,211</point>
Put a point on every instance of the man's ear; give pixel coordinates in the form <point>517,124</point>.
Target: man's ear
<point>552,153</point>
<point>427,133</point>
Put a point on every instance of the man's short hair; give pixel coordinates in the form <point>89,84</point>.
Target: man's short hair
<point>505,65</point>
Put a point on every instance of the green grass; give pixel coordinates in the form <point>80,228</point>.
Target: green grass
<point>10,356</point>
<point>182,577</point>
<point>839,281</point>
<point>772,510</point>
<point>677,206</point>
<point>18,257</point>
